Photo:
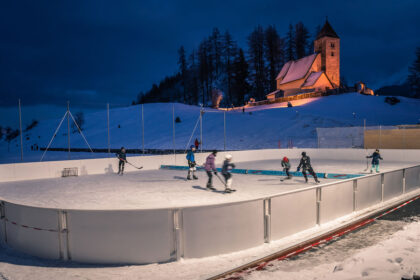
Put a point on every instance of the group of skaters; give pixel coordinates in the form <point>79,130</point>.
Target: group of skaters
<point>210,166</point>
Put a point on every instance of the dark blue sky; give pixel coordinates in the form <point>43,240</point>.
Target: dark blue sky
<point>93,52</point>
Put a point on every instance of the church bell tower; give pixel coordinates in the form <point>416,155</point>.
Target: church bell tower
<point>327,43</point>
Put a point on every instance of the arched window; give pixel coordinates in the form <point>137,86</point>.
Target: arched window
<point>332,45</point>
<point>332,53</point>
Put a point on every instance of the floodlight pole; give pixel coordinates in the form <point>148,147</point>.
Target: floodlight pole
<point>173,129</point>
<point>224,128</point>
<point>201,129</point>
<point>68,126</point>
<point>109,139</point>
<point>20,126</point>
<point>142,126</point>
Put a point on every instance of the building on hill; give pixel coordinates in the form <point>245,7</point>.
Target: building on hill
<point>319,71</point>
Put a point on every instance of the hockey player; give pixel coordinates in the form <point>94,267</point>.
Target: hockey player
<point>305,163</point>
<point>227,167</point>
<point>285,163</point>
<point>121,155</point>
<point>191,163</point>
<point>210,167</point>
<point>376,156</point>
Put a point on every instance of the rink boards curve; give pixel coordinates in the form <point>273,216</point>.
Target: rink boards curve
<point>168,234</point>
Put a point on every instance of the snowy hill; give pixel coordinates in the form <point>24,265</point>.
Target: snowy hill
<point>259,127</point>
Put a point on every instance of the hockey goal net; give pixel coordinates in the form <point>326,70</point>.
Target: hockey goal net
<point>70,171</point>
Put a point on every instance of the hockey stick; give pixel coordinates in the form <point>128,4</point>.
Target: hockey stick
<point>134,165</point>
<point>226,187</point>
<point>221,180</point>
<point>367,163</point>
<point>130,163</point>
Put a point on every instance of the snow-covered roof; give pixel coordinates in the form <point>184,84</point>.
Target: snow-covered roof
<point>312,78</point>
<point>299,68</point>
<point>284,70</point>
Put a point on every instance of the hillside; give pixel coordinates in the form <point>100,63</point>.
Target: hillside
<point>257,128</point>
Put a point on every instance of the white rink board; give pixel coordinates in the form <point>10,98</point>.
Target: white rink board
<point>151,234</point>
<point>292,213</point>
<point>209,231</point>
<point>393,184</point>
<point>412,178</point>
<point>369,192</point>
<point>120,236</point>
<point>27,230</point>
<point>336,201</point>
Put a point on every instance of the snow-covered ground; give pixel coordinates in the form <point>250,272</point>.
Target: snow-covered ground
<point>166,188</point>
<point>257,128</point>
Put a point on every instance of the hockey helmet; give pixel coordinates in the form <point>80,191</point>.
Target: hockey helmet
<point>228,156</point>
<point>192,147</point>
<point>304,154</point>
<point>285,159</point>
<point>377,150</point>
<point>214,152</point>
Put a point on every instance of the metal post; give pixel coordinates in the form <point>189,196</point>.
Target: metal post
<point>142,126</point>
<point>173,128</point>
<point>109,139</point>
<point>68,126</point>
<point>364,133</point>
<point>201,130</point>
<point>224,129</point>
<point>380,136</point>
<point>20,126</point>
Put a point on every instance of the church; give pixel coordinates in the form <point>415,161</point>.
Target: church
<point>313,73</point>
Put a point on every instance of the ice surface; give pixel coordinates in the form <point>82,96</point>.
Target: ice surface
<point>166,188</point>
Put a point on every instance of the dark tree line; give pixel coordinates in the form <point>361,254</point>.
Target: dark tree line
<point>414,76</point>
<point>219,63</point>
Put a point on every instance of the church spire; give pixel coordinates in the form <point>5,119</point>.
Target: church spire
<point>327,31</point>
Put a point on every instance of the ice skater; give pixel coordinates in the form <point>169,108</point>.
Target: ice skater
<point>226,172</point>
<point>210,168</point>
<point>122,156</point>
<point>376,156</point>
<point>305,163</point>
<point>191,163</point>
<point>285,163</point>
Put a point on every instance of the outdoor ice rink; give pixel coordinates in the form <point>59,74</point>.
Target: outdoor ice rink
<point>147,189</point>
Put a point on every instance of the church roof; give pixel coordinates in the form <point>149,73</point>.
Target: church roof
<point>284,70</point>
<point>312,78</point>
<point>297,69</point>
<point>327,31</point>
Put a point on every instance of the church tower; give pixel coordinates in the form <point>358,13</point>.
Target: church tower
<point>327,43</point>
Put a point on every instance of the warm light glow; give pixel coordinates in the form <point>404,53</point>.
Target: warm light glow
<point>295,103</point>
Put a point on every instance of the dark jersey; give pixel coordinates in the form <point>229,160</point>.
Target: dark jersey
<point>305,163</point>
<point>121,155</point>
<point>227,167</point>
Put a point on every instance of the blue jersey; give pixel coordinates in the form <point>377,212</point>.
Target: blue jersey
<point>190,156</point>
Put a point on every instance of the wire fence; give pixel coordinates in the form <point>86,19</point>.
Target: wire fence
<point>165,128</point>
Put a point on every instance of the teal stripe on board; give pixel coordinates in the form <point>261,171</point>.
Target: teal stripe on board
<point>268,172</point>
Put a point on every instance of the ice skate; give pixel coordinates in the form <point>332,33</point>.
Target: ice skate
<point>210,187</point>
<point>195,177</point>
<point>189,178</point>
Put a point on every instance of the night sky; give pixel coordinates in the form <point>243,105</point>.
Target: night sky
<point>93,52</point>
